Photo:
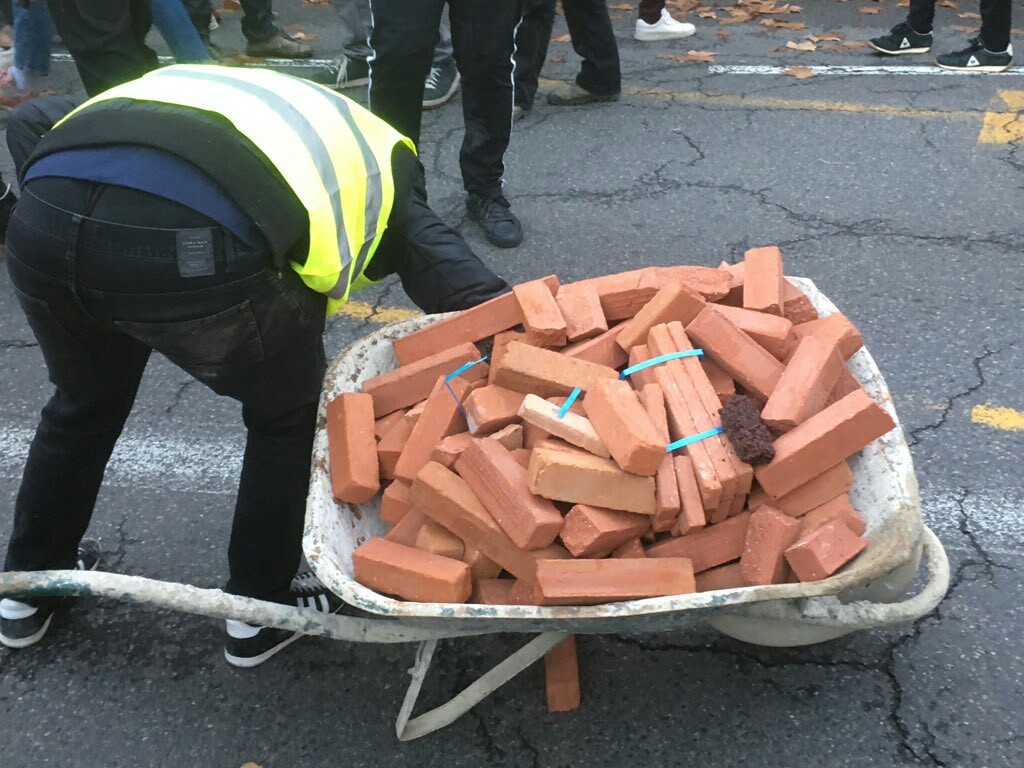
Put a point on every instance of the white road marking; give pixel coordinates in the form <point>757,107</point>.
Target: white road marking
<point>852,69</point>
<point>66,58</point>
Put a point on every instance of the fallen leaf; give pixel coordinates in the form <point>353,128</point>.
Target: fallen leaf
<point>737,19</point>
<point>317,2</point>
<point>800,73</point>
<point>871,11</point>
<point>251,765</point>
<point>230,6</point>
<point>304,36</point>
<point>964,28</point>
<point>948,4</point>
<point>972,16</point>
<point>903,3</point>
<point>614,16</point>
<point>849,45</point>
<point>566,38</point>
<point>621,7</point>
<point>804,46</point>
<point>725,34</point>
<point>706,57</point>
<point>557,59</point>
<point>708,15</point>
<point>779,24</point>
<point>824,38</point>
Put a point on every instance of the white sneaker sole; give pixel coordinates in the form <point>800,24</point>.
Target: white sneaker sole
<point>653,37</point>
<point>25,642</point>
<point>248,662</point>
<point>989,68</point>
<point>901,52</point>
<point>434,103</point>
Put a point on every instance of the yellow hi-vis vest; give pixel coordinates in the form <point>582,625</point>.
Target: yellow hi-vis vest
<point>334,154</point>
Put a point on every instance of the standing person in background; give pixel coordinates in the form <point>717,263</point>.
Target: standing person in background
<point>654,22</point>
<point>33,36</point>
<point>483,36</point>
<point>263,37</point>
<point>173,23</point>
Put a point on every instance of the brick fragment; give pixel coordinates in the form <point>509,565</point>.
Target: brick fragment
<point>533,435</point>
<point>588,582</point>
<point>595,531</point>
<point>769,534</point>
<point>491,591</point>
<point>734,298</point>
<point>742,357</point>
<point>624,426</point>
<point>407,529</point>
<point>821,442</point>
<point>691,515</point>
<point>511,437</point>
<point>352,445</point>
<point>708,547</point>
<point>409,384</point>
<point>798,307</point>
<point>810,376</point>
<point>384,424</point>
<point>833,482</point>
<point>470,325</point>
<point>411,574</point>
<point>632,548</point>
<point>499,482</point>
<point>546,373</point>
<point>480,565</point>
<point>542,319</point>
<point>571,427</point>
<point>394,502</point>
<point>836,329</point>
<point>623,294</point>
<point>585,479</point>
<point>498,347</point>
<point>522,455</point>
<point>847,383</point>
<point>666,487</point>
<point>721,381</point>
<point>824,551</point>
<point>581,307</point>
<point>763,283</point>
<point>709,282</point>
<point>723,577</point>
<point>603,350</point>
<point>671,303</point>
<point>450,448</point>
<point>436,539</point>
<point>837,508</point>
<point>441,417</point>
<point>491,408</point>
<point>562,676</point>
<point>776,334</point>
<point>390,447</point>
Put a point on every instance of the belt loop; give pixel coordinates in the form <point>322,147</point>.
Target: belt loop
<point>76,228</point>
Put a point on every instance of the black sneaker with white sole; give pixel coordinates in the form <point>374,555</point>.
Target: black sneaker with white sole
<point>901,40</point>
<point>249,646</point>
<point>494,215</point>
<point>25,622</point>
<point>442,83</point>
<point>975,58</point>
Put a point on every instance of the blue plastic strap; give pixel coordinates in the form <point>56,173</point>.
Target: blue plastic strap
<point>568,402</point>
<point>461,369</point>
<point>692,439</point>
<point>661,359</point>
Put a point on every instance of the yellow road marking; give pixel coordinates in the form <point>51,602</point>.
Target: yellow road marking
<point>360,310</point>
<point>999,418</point>
<point>1001,127</point>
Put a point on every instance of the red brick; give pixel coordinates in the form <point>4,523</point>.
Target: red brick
<point>742,357</point>
<point>798,308</point>
<point>774,333</point>
<point>542,319</point>
<point>490,408</point>
<point>805,384</point>
<point>691,516</point>
<point>588,582</point>
<point>410,573</point>
<point>409,384</point>
<point>815,492</point>
<point>355,473</point>
<point>571,427</point>
<point>632,548</point>
<point>440,418</point>
<point>546,373</point>
<point>470,325</point>
<point>385,424</point>
<point>499,483</point>
<point>709,282</point>
<point>734,298</point>
<point>763,281</point>
<point>708,547</point>
<point>835,329</point>
<point>822,441</point>
<point>407,529</point>
<point>624,426</point>
<point>722,577</point>
<point>511,437</point>
<point>847,383</point>
<point>673,302</point>
<point>623,294</point>
<point>562,676</point>
<point>581,307</point>
<point>390,447</point>
<point>721,381</point>
<point>498,347</point>
<point>450,448</point>
<point>769,534</point>
<point>666,488</point>
<point>438,540</point>
<point>824,551</point>
<point>585,479</point>
<point>603,350</point>
<point>642,378</point>
<point>491,591</point>
<point>523,593</point>
<point>394,502</point>
<point>595,532</point>
<point>837,508</point>
<point>480,565</point>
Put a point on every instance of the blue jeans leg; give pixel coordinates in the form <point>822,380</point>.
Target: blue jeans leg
<point>33,33</point>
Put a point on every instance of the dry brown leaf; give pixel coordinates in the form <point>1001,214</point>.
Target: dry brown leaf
<point>621,7</point>
<point>970,15</point>
<point>317,2</point>
<point>704,57</point>
<point>948,4</point>
<point>779,24</point>
<point>566,38</point>
<point>824,38</point>
<point>800,73</point>
<point>614,16</point>
<point>252,765</point>
<point>807,45</point>
<point>736,19</point>
<point>707,15</point>
<point>849,45</point>
<point>305,37</point>
<point>903,3</point>
<point>963,28</point>
<point>557,59</point>
<point>230,6</point>
<point>725,34</point>
<point>870,10</point>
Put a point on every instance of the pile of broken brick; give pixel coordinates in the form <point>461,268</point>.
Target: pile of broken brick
<point>503,488</point>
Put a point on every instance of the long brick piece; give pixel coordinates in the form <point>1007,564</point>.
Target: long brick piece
<point>723,577</point>
<point>498,347</point>
<point>585,479</point>
<point>595,531</point>
<point>691,515</point>
<point>589,582</point>
<point>835,328</point>
<point>352,446</point>
<point>384,424</point>
<point>562,676</point>
<point>441,417</point>
<point>603,350</point>
<point>410,573</point>
<point>805,385</point>
<point>542,318</point>
<point>666,487</point>
<point>394,502</point>
<point>390,447</point>
<point>571,427</point>
<point>721,381</point>
<point>837,508</point>
<point>673,302</point>
<point>743,358</point>
<point>821,442</point>
<point>763,284</point>
<point>623,294</point>
<point>470,325</point>
<point>499,482</point>
<point>409,384</point>
<point>824,551</point>
<point>641,354</point>
<point>769,535</point>
<point>581,307</point>
<point>544,372</point>
<point>491,408</point>
<point>711,546</point>
<point>833,482</point>
<point>776,334</point>
<point>624,426</point>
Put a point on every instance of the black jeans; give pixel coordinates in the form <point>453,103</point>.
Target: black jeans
<point>592,38</point>
<point>995,21</point>
<point>106,38</point>
<point>257,18</point>
<point>100,297</point>
<point>483,34</point>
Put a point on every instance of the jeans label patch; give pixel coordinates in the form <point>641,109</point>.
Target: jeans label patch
<point>195,253</point>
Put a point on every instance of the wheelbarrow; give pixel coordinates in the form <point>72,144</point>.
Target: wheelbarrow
<point>867,593</point>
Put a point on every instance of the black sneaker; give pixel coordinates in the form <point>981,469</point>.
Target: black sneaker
<point>441,85</point>
<point>975,58</point>
<point>24,623</point>
<point>495,217</point>
<point>7,201</point>
<point>249,646</point>
<point>901,40</point>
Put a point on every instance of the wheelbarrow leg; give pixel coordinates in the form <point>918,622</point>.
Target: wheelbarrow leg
<point>446,714</point>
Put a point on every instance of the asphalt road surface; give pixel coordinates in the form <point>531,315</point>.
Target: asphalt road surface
<point>898,194</point>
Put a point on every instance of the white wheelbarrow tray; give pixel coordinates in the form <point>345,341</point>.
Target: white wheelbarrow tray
<point>862,595</point>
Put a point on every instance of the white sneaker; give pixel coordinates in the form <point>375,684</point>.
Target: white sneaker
<point>666,28</point>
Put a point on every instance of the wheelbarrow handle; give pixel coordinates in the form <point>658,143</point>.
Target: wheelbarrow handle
<point>829,611</point>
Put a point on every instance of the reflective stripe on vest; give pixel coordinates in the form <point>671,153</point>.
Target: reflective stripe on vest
<point>334,154</point>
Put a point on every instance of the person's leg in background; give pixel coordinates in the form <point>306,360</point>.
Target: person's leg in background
<point>600,78</point>
<point>174,25</point>
<point>443,79</point>
<point>263,36</point>
<point>6,24</point>
<point>33,35</point>
<point>532,39</point>
<point>995,24</point>
<point>353,69</point>
<point>654,22</point>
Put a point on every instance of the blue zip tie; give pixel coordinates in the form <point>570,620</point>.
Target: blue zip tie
<point>659,360</point>
<point>568,402</point>
<point>461,369</point>
<point>692,439</point>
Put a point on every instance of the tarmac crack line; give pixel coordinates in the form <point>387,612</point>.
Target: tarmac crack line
<point>17,344</point>
<point>914,436</point>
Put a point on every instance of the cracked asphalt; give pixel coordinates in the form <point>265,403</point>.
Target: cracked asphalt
<point>890,205</point>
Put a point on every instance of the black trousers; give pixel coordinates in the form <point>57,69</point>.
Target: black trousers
<point>592,38</point>
<point>106,38</point>
<point>483,34</point>
<point>995,21</point>
<point>257,18</point>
